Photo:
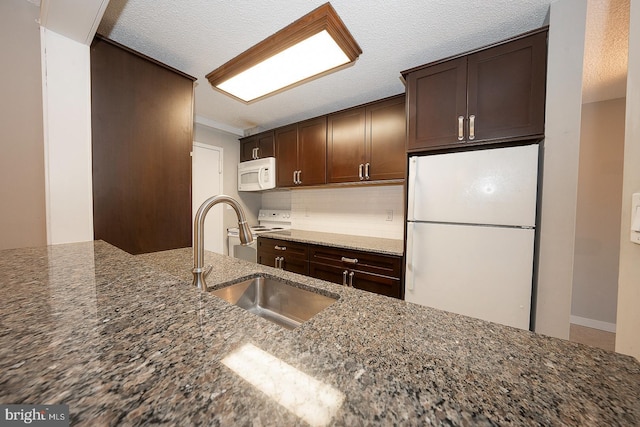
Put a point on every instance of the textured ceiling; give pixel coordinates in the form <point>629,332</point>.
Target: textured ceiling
<point>197,36</point>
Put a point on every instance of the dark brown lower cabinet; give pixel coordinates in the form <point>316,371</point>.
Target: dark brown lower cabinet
<point>368,271</point>
<point>376,283</point>
<point>373,272</point>
<point>289,256</point>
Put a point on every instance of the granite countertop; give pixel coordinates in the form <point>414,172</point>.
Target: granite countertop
<point>344,241</point>
<point>126,340</point>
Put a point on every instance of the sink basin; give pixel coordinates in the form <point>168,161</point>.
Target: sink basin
<point>275,300</point>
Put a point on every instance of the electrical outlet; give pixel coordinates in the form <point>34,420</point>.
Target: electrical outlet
<point>390,215</point>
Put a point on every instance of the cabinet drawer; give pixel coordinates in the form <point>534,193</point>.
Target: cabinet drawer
<point>378,284</point>
<point>385,265</point>
<point>291,250</point>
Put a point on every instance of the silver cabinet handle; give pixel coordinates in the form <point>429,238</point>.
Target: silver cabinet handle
<point>472,127</point>
<point>277,262</point>
<point>349,260</point>
<point>360,175</point>
<point>351,279</point>
<point>344,278</point>
<point>460,128</point>
<point>366,170</point>
<point>255,153</point>
<point>280,248</point>
<point>299,177</point>
<point>281,263</point>
<point>295,181</point>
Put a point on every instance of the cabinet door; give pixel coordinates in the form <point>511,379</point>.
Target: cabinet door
<point>329,273</point>
<point>267,258</point>
<point>437,101</point>
<point>286,155</point>
<point>506,87</point>
<point>247,146</point>
<point>295,265</point>
<point>346,146</point>
<point>386,135</point>
<point>265,144</point>
<point>312,151</point>
<point>382,285</point>
<point>293,255</point>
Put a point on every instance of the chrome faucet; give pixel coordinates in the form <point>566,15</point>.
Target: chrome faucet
<point>199,273</point>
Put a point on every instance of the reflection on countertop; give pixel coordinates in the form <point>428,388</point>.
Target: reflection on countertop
<point>126,340</point>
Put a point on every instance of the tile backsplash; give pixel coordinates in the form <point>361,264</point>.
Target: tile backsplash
<point>376,211</point>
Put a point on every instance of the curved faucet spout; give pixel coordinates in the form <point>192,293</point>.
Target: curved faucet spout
<point>198,234</point>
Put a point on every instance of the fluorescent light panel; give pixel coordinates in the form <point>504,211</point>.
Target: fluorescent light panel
<point>306,59</point>
<point>308,48</point>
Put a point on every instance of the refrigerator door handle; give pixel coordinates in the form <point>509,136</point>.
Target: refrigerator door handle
<point>409,270</point>
<point>413,172</point>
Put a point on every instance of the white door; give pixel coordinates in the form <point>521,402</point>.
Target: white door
<point>478,271</point>
<point>206,182</point>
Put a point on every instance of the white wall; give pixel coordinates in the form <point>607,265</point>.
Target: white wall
<point>231,148</point>
<point>375,211</point>
<point>628,320</point>
<point>66,93</point>
<point>595,270</point>
<point>560,175</point>
<point>22,193</point>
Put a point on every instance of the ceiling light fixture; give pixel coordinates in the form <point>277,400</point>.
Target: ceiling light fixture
<point>315,45</point>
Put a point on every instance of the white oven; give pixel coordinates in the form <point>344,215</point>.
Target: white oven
<point>257,175</point>
<point>268,220</point>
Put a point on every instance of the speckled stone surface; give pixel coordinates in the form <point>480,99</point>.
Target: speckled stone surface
<point>126,340</point>
<point>346,241</point>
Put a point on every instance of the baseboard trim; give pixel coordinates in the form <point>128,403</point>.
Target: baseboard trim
<point>592,323</point>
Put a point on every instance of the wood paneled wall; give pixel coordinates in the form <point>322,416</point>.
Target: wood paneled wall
<point>142,132</point>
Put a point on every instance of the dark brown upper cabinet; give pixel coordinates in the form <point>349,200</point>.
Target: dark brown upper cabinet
<point>257,146</point>
<point>386,135</point>
<point>367,143</point>
<point>490,95</point>
<point>142,135</point>
<point>301,151</point>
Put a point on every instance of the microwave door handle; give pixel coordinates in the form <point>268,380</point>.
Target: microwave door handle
<point>261,182</point>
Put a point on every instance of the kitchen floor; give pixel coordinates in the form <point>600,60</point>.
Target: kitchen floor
<point>593,337</point>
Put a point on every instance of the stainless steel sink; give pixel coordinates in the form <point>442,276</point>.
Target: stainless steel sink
<point>275,300</point>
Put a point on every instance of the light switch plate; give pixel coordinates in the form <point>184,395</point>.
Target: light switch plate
<point>635,218</point>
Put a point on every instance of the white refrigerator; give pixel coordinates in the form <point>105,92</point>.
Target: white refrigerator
<point>470,232</point>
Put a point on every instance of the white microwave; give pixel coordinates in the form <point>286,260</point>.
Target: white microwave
<point>257,175</point>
